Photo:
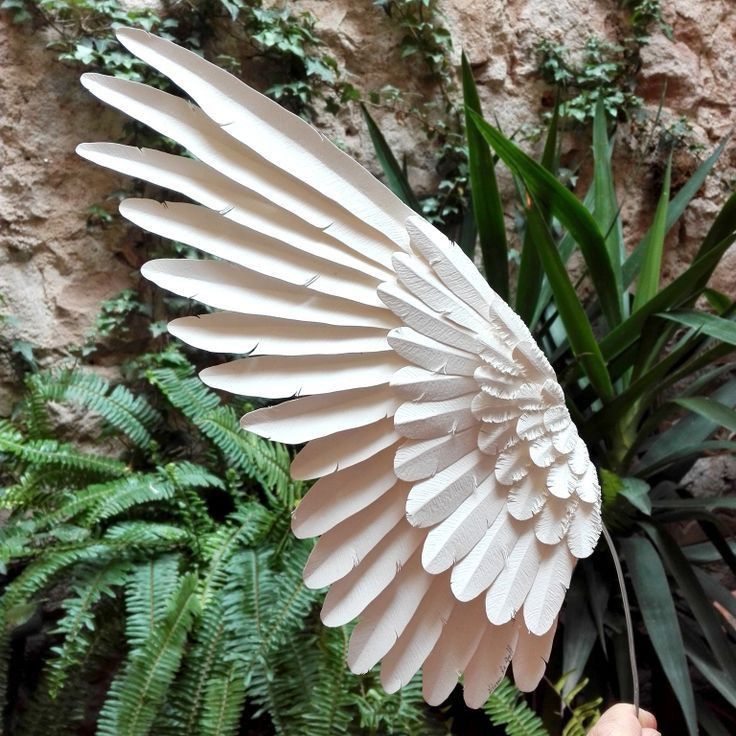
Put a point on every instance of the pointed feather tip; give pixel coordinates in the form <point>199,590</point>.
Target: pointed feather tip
<point>249,423</point>
<point>181,327</point>
<point>390,682</point>
<point>152,270</point>
<point>539,624</point>
<point>92,81</point>
<point>85,150</point>
<point>317,575</point>
<point>300,528</point>
<point>461,591</point>
<point>133,207</point>
<point>132,37</point>
<point>218,376</point>
<point>332,618</point>
<point>421,229</point>
<point>97,151</point>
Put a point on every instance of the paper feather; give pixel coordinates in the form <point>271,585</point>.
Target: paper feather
<point>454,495</point>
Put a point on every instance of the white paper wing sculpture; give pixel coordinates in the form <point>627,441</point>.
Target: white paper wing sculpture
<point>454,495</point>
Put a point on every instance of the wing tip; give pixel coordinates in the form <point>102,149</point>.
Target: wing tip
<point>92,80</point>
<point>132,36</point>
<point>151,270</point>
<point>215,376</point>
<point>181,326</point>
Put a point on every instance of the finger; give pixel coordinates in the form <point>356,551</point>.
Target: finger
<point>647,719</point>
<point>650,732</point>
<point>621,713</point>
<point>617,721</point>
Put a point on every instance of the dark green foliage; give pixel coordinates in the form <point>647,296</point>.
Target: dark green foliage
<point>178,576</point>
<point>507,709</point>
<point>605,74</point>
<point>631,359</point>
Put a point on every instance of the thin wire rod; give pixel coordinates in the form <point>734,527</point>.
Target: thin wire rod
<point>627,616</point>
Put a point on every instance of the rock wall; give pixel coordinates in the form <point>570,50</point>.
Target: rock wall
<point>55,269</point>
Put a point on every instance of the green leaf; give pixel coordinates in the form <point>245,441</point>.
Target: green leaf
<point>717,300</point>
<point>486,199</point>
<point>716,591</point>
<point>677,206</point>
<point>395,177</point>
<point>723,227</point>
<point>649,384</point>
<point>579,331</point>
<point>699,603</point>
<point>530,297</point>
<point>690,431</point>
<point>705,553</point>
<point>708,668</point>
<point>713,410</point>
<point>686,453</point>
<point>569,211</point>
<point>605,208</point>
<point>599,593</point>
<point>138,693</point>
<point>507,708</point>
<point>660,618</point>
<point>711,725</point>
<point>468,231</point>
<point>647,285</point>
<point>675,294</point>
<point>636,492</point>
<point>566,248</point>
<point>578,635</point>
<point>716,327</point>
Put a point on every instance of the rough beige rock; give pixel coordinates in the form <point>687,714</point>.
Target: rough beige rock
<point>54,271</point>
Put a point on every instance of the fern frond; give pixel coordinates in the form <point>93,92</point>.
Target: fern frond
<point>89,586</point>
<point>507,708</point>
<point>65,713</point>
<point>204,657</point>
<point>136,696</point>
<point>38,489</point>
<point>54,454</point>
<point>39,573</point>
<point>16,540</point>
<point>582,716</point>
<point>403,713</point>
<point>185,478</point>
<point>244,527</point>
<point>17,601</point>
<point>223,703</point>
<point>145,535</point>
<point>35,410</point>
<point>185,474</point>
<point>131,415</point>
<point>329,706</point>
<point>101,501</point>
<point>265,605</point>
<point>263,461</point>
<point>148,592</point>
<point>184,391</point>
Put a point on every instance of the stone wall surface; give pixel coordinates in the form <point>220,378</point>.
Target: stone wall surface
<point>55,269</point>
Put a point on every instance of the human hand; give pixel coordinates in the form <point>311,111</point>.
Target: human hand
<point>621,720</point>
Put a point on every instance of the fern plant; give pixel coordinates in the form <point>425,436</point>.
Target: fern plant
<point>163,582</point>
<point>170,573</point>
